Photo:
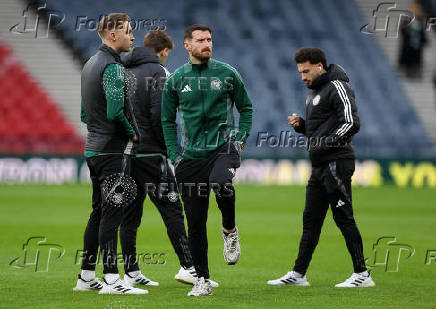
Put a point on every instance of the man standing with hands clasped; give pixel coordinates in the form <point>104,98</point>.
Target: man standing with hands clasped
<point>331,121</point>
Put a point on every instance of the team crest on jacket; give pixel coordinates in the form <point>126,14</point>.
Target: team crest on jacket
<point>215,84</point>
<point>316,100</point>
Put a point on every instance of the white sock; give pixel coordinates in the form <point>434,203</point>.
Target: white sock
<point>364,273</point>
<point>298,275</point>
<point>134,274</point>
<point>87,275</point>
<point>111,278</point>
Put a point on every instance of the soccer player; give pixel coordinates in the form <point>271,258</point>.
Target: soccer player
<point>331,121</point>
<point>150,168</point>
<point>204,92</point>
<point>109,135</point>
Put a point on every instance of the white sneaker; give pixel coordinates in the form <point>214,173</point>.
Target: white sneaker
<point>139,279</point>
<point>120,287</point>
<point>201,288</point>
<point>91,285</point>
<point>189,276</point>
<point>232,249</point>
<point>291,278</point>
<point>360,280</point>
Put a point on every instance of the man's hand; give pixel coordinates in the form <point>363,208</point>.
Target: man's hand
<point>177,162</point>
<point>294,120</point>
<point>241,144</point>
<point>135,138</point>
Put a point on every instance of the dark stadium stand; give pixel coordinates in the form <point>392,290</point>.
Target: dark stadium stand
<point>30,122</point>
<point>261,48</point>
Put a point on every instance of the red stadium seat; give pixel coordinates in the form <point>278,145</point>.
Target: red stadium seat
<point>30,121</point>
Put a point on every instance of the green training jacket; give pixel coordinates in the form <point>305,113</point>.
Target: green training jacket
<point>204,94</point>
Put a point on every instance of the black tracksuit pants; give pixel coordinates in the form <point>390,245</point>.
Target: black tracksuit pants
<point>330,184</point>
<point>103,223</point>
<point>154,177</point>
<point>195,179</point>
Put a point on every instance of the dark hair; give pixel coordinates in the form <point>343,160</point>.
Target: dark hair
<point>312,54</point>
<point>187,34</point>
<point>111,22</point>
<point>157,40</point>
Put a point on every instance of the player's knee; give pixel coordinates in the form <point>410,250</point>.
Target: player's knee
<point>196,228</point>
<point>222,189</point>
<point>344,222</point>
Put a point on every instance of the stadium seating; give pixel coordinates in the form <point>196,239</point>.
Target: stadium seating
<point>259,38</point>
<point>30,122</point>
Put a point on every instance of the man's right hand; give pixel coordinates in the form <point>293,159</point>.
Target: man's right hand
<point>294,121</point>
<point>135,138</point>
<point>177,162</point>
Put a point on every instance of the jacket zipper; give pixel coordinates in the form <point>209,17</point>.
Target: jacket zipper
<point>203,118</point>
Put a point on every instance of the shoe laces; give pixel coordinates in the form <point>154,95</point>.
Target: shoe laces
<point>286,276</point>
<point>232,240</point>
<point>95,280</point>
<point>199,285</point>
<point>291,274</point>
<point>191,270</point>
<point>353,277</point>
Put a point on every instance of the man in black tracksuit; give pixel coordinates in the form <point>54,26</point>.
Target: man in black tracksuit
<point>331,121</point>
<point>150,168</point>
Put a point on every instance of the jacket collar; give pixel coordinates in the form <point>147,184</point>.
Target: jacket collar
<point>140,55</point>
<point>107,49</point>
<point>210,64</point>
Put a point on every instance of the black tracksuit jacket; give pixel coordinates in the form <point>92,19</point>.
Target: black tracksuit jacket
<point>145,77</point>
<point>331,118</point>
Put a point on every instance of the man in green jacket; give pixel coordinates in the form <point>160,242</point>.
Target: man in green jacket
<point>204,92</point>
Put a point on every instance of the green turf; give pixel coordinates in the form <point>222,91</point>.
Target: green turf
<point>269,220</point>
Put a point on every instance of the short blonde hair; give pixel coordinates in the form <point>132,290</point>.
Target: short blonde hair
<point>111,22</point>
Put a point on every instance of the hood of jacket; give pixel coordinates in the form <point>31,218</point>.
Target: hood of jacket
<point>140,55</point>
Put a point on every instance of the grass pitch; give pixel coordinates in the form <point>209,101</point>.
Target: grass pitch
<point>270,222</point>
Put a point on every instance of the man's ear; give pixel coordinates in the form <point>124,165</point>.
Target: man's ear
<point>187,46</point>
<point>111,36</point>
